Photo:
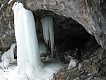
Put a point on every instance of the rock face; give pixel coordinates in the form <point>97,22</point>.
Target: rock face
<point>86,12</point>
<point>92,68</point>
<point>6,26</point>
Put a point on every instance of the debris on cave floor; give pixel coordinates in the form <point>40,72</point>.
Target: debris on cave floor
<point>93,68</point>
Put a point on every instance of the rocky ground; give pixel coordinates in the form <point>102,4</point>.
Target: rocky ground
<point>93,68</point>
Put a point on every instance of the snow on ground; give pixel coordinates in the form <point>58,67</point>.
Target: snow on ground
<point>8,68</point>
<point>9,73</point>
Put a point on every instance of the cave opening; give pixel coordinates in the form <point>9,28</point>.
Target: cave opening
<point>70,37</point>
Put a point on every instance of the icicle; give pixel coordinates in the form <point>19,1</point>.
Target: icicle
<point>51,32</point>
<point>42,48</point>
<point>47,26</point>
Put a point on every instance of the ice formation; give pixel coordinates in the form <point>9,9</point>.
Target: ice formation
<point>8,56</point>
<point>43,48</point>
<point>30,66</point>
<point>27,44</point>
<point>48,33</point>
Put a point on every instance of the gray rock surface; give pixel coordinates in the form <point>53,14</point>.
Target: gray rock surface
<point>90,69</point>
<point>86,12</point>
<point>6,26</point>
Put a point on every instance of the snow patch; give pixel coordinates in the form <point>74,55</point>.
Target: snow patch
<point>8,57</point>
<point>9,73</point>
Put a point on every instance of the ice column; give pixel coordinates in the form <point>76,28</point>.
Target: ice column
<point>27,43</point>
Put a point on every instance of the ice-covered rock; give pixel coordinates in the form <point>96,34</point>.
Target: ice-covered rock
<point>8,57</point>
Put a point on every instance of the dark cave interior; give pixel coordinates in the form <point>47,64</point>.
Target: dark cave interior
<point>71,38</point>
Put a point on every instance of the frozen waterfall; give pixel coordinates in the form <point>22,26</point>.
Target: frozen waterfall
<point>27,44</point>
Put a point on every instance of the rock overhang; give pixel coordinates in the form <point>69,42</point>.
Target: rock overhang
<point>85,12</point>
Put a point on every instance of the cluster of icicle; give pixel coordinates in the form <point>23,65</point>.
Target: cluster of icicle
<point>30,66</point>
<point>48,34</point>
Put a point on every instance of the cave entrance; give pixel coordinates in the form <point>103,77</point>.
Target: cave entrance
<point>70,37</point>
